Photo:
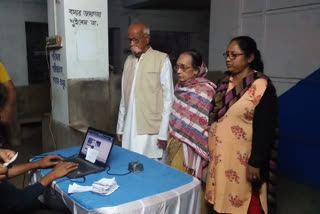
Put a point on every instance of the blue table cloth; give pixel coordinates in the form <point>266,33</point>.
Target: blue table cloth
<point>157,179</point>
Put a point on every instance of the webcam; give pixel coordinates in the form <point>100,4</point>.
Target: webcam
<point>135,166</point>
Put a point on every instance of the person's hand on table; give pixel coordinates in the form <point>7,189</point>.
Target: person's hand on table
<point>63,168</point>
<point>60,170</point>
<point>162,144</point>
<point>6,155</point>
<point>49,161</point>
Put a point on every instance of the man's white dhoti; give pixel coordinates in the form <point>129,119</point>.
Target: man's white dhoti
<point>146,144</point>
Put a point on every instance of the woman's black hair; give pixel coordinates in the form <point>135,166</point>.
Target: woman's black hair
<point>196,58</point>
<point>249,46</point>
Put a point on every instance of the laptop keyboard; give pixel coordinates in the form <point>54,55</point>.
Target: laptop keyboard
<point>83,165</point>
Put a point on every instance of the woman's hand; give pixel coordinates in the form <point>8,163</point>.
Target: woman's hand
<point>252,173</point>
<point>49,161</point>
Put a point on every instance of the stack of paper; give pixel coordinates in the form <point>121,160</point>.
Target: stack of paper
<point>104,187</point>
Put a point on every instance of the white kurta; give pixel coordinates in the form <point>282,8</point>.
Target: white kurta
<point>146,144</point>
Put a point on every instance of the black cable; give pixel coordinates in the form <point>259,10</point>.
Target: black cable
<point>109,168</point>
<point>72,180</point>
<point>67,179</point>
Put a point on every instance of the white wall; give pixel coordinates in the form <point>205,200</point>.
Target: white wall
<point>83,27</point>
<point>13,51</point>
<point>223,26</point>
<point>287,33</point>
<point>87,45</point>
<point>59,92</point>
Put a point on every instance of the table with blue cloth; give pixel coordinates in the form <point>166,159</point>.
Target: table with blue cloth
<point>157,189</point>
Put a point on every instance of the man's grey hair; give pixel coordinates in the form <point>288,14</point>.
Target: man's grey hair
<point>146,29</point>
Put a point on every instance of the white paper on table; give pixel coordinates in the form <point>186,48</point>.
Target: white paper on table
<point>111,189</point>
<point>105,181</point>
<point>92,155</point>
<point>107,191</point>
<point>104,186</point>
<point>78,188</point>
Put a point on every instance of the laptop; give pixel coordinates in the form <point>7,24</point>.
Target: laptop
<point>94,153</point>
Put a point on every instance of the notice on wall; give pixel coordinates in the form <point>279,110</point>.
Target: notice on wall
<point>57,70</point>
<point>84,17</point>
<point>86,39</point>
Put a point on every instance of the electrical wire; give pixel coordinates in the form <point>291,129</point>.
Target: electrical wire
<point>67,179</point>
<point>116,174</point>
<point>50,117</point>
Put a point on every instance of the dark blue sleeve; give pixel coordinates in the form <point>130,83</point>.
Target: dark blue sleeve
<point>12,198</point>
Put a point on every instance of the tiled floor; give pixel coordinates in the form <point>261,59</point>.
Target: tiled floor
<point>293,198</point>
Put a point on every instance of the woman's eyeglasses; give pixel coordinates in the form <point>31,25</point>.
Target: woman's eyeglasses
<point>182,67</point>
<point>231,55</point>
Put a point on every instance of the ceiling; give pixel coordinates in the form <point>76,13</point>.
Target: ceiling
<point>154,4</point>
<point>169,4</point>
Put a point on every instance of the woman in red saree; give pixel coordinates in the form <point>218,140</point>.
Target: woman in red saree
<point>187,148</point>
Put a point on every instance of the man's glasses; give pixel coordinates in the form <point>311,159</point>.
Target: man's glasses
<point>231,55</point>
<point>135,40</point>
<point>182,67</point>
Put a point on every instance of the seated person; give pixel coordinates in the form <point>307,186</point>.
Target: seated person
<point>14,200</point>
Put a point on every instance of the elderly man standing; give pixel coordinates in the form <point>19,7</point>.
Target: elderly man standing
<point>146,98</point>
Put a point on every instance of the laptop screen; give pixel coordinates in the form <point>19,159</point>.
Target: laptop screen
<point>97,146</point>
